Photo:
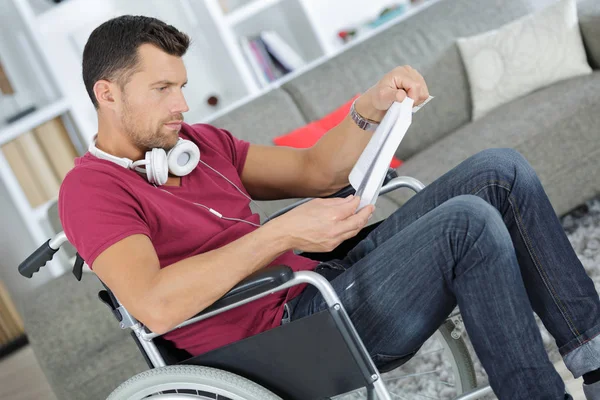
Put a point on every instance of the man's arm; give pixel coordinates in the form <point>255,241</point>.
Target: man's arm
<point>272,172</point>
<point>163,298</point>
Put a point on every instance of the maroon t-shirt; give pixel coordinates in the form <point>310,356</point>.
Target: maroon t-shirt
<point>101,203</point>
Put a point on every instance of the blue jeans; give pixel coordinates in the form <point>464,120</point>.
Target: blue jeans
<point>485,237</point>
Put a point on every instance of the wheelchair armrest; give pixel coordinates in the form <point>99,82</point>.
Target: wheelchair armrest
<point>260,281</point>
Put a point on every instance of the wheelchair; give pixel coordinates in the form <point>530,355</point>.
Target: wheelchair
<point>313,358</point>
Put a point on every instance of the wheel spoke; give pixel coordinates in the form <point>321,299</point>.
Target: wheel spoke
<point>421,355</point>
<point>397,378</point>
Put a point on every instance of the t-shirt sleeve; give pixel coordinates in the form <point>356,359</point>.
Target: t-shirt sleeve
<point>97,210</point>
<point>230,146</point>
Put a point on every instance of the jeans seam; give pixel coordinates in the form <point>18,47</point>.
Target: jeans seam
<point>581,343</point>
<point>525,236</point>
<point>563,310</point>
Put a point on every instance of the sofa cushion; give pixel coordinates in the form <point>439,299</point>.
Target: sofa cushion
<point>262,118</point>
<point>530,53</point>
<point>77,341</point>
<point>555,128</point>
<point>589,22</point>
<point>307,135</point>
<point>425,41</point>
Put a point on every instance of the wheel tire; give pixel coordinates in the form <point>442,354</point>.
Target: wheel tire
<point>192,377</point>
<point>462,361</point>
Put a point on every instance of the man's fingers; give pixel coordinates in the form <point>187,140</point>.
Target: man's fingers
<point>387,95</point>
<point>341,207</point>
<point>400,95</point>
<point>423,92</point>
<point>356,221</point>
<point>413,90</point>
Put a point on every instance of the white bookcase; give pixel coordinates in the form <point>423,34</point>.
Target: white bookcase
<point>41,44</point>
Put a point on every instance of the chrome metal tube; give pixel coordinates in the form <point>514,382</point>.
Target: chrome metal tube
<point>476,393</point>
<point>301,277</point>
<point>149,347</point>
<point>58,240</point>
<point>402,181</point>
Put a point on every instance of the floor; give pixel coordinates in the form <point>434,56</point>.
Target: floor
<point>573,385</point>
<point>22,379</point>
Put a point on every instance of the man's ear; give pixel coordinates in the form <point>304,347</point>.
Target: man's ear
<point>104,92</point>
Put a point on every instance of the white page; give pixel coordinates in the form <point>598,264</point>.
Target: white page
<point>377,140</point>
<point>369,172</point>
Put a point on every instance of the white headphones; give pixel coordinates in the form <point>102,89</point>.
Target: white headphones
<point>180,161</point>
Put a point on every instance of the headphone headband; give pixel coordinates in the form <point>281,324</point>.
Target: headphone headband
<point>180,161</point>
<point>122,161</point>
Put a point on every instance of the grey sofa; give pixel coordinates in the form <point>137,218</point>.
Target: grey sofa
<point>75,338</point>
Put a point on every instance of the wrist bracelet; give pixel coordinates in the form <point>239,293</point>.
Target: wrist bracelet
<point>362,122</point>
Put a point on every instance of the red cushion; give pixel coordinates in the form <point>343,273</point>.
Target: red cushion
<point>308,135</point>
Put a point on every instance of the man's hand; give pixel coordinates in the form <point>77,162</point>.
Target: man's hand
<point>394,86</point>
<point>320,225</point>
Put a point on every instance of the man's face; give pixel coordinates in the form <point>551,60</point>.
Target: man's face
<point>152,101</point>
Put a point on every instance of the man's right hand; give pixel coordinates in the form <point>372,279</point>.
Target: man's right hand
<point>320,225</point>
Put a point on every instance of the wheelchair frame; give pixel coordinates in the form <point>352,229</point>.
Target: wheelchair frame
<point>145,338</point>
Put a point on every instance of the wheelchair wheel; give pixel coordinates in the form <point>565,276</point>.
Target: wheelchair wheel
<point>190,382</point>
<point>441,369</point>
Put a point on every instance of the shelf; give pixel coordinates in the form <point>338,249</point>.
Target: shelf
<point>245,12</point>
<point>11,131</point>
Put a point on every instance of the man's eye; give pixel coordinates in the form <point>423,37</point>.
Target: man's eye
<point>162,89</point>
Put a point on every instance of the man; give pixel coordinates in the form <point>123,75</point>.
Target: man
<point>483,236</point>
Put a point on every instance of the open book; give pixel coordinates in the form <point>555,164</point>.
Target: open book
<point>368,173</point>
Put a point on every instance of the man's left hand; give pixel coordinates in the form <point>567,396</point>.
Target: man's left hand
<point>394,86</point>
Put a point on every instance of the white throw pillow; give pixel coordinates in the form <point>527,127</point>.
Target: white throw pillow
<point>529,53</point>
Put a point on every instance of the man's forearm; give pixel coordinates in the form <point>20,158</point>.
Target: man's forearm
<point>338,150</point>
<point>183,289</point>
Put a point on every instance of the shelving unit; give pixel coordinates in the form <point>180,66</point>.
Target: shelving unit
<point>10,132</point>
<point>248,11</point>
<point>42,45</point>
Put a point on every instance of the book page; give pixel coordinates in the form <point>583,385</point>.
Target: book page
<point>369,172</point>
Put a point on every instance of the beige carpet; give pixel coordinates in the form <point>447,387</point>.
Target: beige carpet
<point>22,379</point>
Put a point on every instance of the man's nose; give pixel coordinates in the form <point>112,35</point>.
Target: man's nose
<point>180,105</point>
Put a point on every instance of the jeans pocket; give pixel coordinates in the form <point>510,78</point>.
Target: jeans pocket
<point>335,264</point>
<point>387,362</point>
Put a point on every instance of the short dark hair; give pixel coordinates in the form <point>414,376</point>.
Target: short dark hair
<point>111,50</point>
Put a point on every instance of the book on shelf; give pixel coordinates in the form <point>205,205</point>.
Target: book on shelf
<point>281,50</point>
<point>40,159</point>
<point>32,152</point>
<point>224,6</point>
<point>269,56</point>
<point>5,86</point>
<point>11,323</point>
<point>24,173</point>
<point>57,145</point>
<point>258,72</point>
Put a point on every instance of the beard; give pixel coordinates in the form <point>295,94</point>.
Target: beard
<point>147,138</point>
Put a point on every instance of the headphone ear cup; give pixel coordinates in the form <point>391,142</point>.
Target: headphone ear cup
<point>183,157</point>
<point>156,166</point>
